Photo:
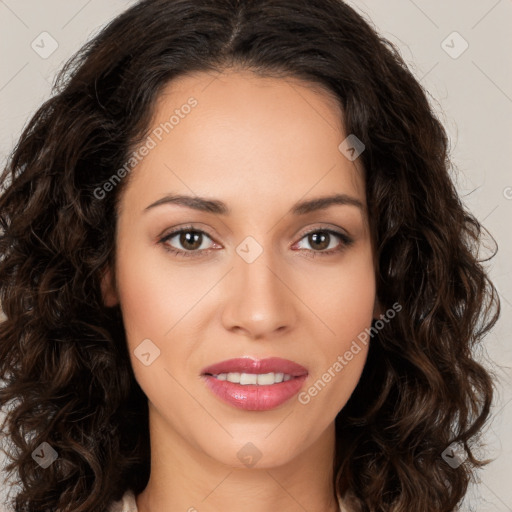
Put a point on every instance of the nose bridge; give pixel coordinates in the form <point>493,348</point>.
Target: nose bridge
<point>258,300</point>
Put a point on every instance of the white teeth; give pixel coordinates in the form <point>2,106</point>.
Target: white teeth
<point>248,378</point>
<point>265,379</point>
<point>261,379</point>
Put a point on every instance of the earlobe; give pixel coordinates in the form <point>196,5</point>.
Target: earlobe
<point>108,289</point>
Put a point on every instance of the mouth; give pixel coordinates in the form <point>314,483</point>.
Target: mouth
<point>255,385</point>
<point>259,379</point>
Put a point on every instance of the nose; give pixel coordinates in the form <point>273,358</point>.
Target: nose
<point>258,300</point>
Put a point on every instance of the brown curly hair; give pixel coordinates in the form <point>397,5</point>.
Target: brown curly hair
<point>63,356</point>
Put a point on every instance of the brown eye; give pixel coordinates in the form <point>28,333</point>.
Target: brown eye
<point>323,242</point>
<point>186,242</point>
<point>190,240</point>
<point>319,240</point>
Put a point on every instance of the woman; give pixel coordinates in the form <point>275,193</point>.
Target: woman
<point>166,217</point>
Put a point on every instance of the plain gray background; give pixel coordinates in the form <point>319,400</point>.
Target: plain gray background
<point>471,89</point>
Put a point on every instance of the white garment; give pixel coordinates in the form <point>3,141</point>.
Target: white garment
<point>128,504</point>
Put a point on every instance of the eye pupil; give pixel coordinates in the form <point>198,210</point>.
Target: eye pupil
<point>321,238</point>
<point>188,239</point>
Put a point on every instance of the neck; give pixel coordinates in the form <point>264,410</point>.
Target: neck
<point>184,478</point>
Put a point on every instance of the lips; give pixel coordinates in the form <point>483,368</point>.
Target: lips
<point>248,365</point>
<point>254,397</point>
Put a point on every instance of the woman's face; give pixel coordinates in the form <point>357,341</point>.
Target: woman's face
<point>253,283</point>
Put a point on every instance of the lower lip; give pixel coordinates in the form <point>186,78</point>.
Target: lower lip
<point>252,397</point>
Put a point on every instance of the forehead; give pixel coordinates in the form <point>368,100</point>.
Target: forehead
<point>272,138</point>
<point>244,99</point>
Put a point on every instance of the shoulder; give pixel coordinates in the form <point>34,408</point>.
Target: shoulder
<point>126,504</point>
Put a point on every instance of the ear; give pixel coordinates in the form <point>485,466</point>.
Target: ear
<point>108,289</point>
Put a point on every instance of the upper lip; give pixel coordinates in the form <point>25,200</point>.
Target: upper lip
<point>249,365</point>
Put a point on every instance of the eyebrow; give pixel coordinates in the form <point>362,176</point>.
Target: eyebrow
<point>220,208</point>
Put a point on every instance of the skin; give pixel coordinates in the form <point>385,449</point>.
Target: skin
<point>259,145</point>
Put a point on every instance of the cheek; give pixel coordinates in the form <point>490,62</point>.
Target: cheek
<point>329,391</point>
<point>153,295</point>
<point>149,311</point>
<point>142,303</point>
<point>155,299</point>
<point>343,299</point>
<point>344,303</point>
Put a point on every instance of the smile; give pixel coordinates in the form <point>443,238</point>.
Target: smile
<point>261,379</point>
<point>255,385</point>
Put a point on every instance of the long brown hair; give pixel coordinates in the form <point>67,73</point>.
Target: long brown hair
<point>63,356</point>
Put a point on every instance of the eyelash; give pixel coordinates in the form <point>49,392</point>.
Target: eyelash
<point>346,242</point>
